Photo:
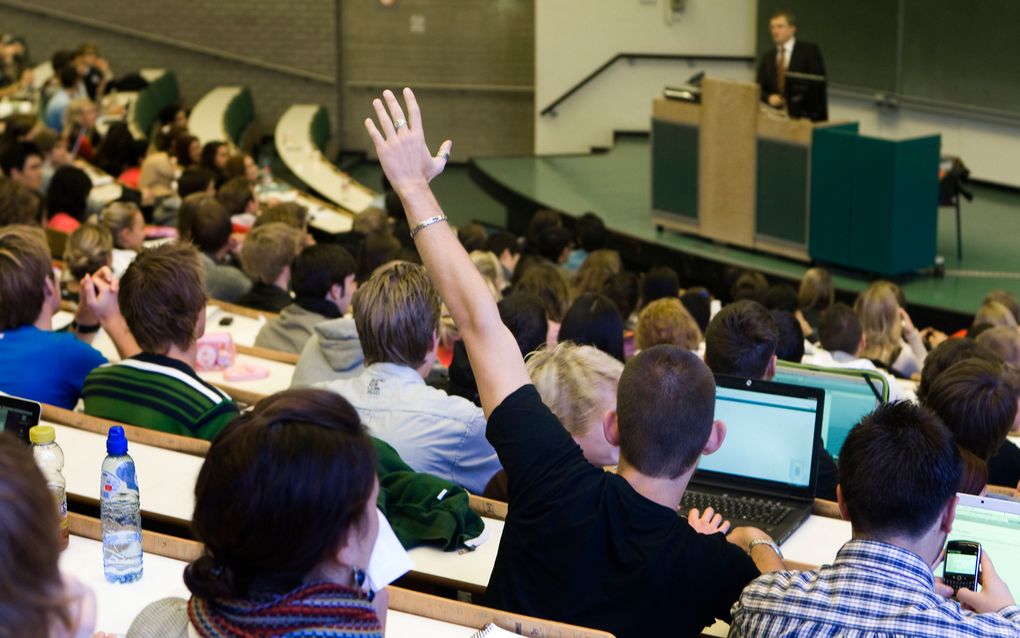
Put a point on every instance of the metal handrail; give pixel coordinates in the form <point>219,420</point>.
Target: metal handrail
<point>642,56</point>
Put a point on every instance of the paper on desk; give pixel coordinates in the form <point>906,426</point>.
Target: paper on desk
<point>389,559</point>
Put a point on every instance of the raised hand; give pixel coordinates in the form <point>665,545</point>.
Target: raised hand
<point>400,143</point>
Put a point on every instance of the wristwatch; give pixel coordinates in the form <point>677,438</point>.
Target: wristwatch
<point>765,541</point>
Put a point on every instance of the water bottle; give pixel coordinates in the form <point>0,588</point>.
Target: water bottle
<point>120,512</point>
<point>50,459</point>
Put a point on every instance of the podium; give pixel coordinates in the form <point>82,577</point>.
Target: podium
<point>733,171</point>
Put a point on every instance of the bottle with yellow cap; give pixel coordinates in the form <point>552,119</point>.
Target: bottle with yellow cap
<point>50,459</point>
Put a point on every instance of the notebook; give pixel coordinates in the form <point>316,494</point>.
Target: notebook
<point>765,472</point>
<point>995,523</point>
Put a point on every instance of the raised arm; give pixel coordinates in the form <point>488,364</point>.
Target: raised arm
<point>400,143</point>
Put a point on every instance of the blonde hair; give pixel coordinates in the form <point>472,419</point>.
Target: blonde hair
<point>1004,342</point>
<point>879,311</point>
<point>491,270</point>
<point>667,321</point>
<point>578,383</point>
<point>75,109</point>
<point>591,277</point>
<point>116,216</point>
<point>816,291</point>
<point>89,248</point>
<point>268,249</point>
<point>994,314</point>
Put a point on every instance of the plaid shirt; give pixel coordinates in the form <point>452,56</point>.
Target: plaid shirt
<point>872,590</point>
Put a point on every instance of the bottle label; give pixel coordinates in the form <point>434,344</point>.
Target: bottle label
<point>110,486</point>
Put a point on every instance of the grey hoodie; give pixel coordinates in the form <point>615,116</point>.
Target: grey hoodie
<point>333,352</point>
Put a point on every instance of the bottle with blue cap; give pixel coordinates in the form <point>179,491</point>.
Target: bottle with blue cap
<point>120,511</point>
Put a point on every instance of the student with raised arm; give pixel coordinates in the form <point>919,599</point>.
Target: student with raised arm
<point>581,545</point>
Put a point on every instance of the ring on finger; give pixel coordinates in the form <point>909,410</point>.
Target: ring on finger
<point>399,124</point>
<point>444,155</point>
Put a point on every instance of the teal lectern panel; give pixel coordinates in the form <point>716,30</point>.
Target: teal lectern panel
<point>675,168</point>
<point>782,191</point>
<point>829,215</point>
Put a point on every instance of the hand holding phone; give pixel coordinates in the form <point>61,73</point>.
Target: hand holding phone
<point>994,594</point>
<point>963,561</point>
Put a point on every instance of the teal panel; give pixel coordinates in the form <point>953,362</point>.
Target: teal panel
<point>675,168</point>
<point>152,99</point>
<point>782,191</point>
<point>873,178</point>
<point>830,212</point>
<point>240,113</point>
<point>320,129</point>
<point>915,204</point>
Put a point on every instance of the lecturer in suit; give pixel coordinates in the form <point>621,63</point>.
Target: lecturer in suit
<point>789,54</point>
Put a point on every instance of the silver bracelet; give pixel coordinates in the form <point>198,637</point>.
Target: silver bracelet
<point>765,541</point>
<point>425,224</point>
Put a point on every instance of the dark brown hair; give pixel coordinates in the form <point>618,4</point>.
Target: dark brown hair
<point>396,313</point>
<point>204,221</point>
<point>235,194</point>
<point>741,339</point>
<point>19,204</point>
<point>24,268</point>
<point>547,282</point>
<point>839,329</point>
<point>945,355</point>
<point>305,466</point>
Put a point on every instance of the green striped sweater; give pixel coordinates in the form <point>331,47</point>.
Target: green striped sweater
<point>159,393</point>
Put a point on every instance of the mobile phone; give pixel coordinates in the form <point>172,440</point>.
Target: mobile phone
<point>963,565</point>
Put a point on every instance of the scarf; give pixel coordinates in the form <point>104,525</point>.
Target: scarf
<point>317,610</point>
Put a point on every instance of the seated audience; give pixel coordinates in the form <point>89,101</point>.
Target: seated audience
<point>751,285</point>
<point>780,296</point>
<point>507,248</point>
<point>214,159</point>
<point>37,600</point>
<point>899,472</point>
<point>624,289</point>
<point>790,346</point>
<point>593,320</point>
<point>80,128</point>
<point>120,152</point>
<point>88,249</point>
<point>186,150</point>
<point>304,578</point>
<point>266,256</point>
<point>816,293</point>
<point>554,245</point>
<point>23,163</point>
<point>126,224</point>
<point>667,321</point>
<point>1004,342</point>
<point>545,281</point>
<point>741,341</point>
<point>156,182</point>
<point>591,235</point>
<point>238,197</point>
<point>240,165</point>
<point>162,298</point>
<point>994,315</point>
<point>592,274</point>
<point>323,282</point>
<point>658,283</point>
<point>577,537</point>
<point>397,318</point>
<point>698,301</point>
<point>890,338</point>
<point>1006,298</point>
<point>19,204</point>
<point>472,236</point>
<point>944,356</point>
<point>196,179</point>
<point>67,198</point>
<point>204,222</point>
<point>376,249</point>
<point>841,335</point>
<point>54,155</point>
<point>488,266</point>
<point>293,214</point>
<point>541,223</point>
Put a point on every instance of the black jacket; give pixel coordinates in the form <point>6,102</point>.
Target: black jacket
<point>805,58</point>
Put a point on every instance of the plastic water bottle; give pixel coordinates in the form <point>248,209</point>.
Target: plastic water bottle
<point>120,512</point>
<point>50,459</point>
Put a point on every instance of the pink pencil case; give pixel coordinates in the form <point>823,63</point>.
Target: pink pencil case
<point>245,372</point>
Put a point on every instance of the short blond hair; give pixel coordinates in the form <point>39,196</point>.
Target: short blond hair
<point>268,249</point>
<point>667,321</point>
<point>995,314</point>
<point>24,268</point>
<point>578,383</point>
<point>89,248</point>
<point>396,313</point>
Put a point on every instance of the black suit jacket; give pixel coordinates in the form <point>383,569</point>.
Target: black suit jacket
<point>805,58</point>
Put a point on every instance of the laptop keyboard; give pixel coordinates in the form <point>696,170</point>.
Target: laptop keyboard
<point>735,508</point>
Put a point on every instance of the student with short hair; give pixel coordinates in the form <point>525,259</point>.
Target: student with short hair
<point>323,282</point>
<point>266,257</point>
<point>667,321</point>
<point>899,472</point>
<point>841,336</point>
<point>593,320</point>
<point>162,298</point>
<point>397,318</point>
<point>20,204</point>
<point>1004,342</point>
<point>238,197</point>
<point>67,198</point>
<point>582,545</point>
<point>23,163</point>
<point>204,222</point>
<point>196,179</point>
<point>790,346</point>
<point>507,249</point>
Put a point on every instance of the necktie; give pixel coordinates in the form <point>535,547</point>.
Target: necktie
<point>781,71</point>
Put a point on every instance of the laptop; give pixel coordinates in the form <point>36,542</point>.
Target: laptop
<point>18,415</point>
<point>765,473</point>
<point>995,523</point>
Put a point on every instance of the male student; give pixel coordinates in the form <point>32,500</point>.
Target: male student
<point>162,298</point>
<point>741,341</point>
<point>23,162</point>
<point>581,545</point>
<point>898,475</point>
<point>842,337</point>
<point>266,256</point>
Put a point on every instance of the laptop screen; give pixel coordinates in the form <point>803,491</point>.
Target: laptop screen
<point>18,415</point>
<point>995,523</point>
<point>770,431</point>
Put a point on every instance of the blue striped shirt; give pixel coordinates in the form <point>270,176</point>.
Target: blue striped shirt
<point>872,590</point>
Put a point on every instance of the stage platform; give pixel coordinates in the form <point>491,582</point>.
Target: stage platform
<point>617,186</point>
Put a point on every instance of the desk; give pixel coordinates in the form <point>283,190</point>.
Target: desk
<point>464,570</point>
<point>321,215</point>
<point>206,119</point>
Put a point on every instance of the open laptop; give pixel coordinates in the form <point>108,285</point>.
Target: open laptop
<point>995,523</point>
<point>18,415</point>
<point>764,474</point>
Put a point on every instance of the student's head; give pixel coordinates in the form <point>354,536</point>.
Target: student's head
<point>839,329</point>
<point>506,247</point>
<point>490,270</point>
<point>237,196</point>
<point>186,149</point>
<point>376,249</point>
<point>899,470</point>
<point>1004,342</point>
<point>89,248</point>
<point>554,244</point>
<point>524,315</point>
<point>202,220</point>
<point>816,292</point>
<point>593,320</point>
<point>597,268</point>
<point>33,600</point>
<point>658,283</point>
<point>741,341</point>
<point>591,232</point>
<point>974,473</point>
<point>20,204</point>
<point>878,309</point>
<point>397,315</point>
<point>27,286</point>
<point>781,296</point>
<point>301,458</point>
<point>579,384</point>
<point>749,285</point>
<point>241,165</point>
<point>371,220</point>
<point>471,236</point>
<point>782,27</point>
<point>790,346</point>
<point>68,192</point>
<point>80,112</point>
<point>162,298</point>
<point>23,162</point>
<point>269,251</point>
<point>944,356</point>
<point>53,147</point>
<point>541,222</point>
<point>665,412</point>
<point>976,402</point>
<point>67,75</point>
<point>324,271</point>
<point>624,289</point>
<point>995,315</point>
<point>1006,298</point>
<point>698,301</point>
<point>196,179</point>
<point>126,224</point>
<point>666,321</point>
<point>291,213</point>
<point>214,156</point>
<point>548,283</point>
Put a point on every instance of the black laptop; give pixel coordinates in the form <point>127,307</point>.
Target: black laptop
<point>765,472</point>
<point>18,415</point>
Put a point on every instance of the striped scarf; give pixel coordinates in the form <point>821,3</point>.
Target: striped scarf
<point>318,610</point>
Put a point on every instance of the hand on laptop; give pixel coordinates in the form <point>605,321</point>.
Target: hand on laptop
<point>994,594</point>
<point>708,523</point>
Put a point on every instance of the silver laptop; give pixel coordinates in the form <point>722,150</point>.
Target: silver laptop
<point>995,523</point>
<point>765,473</point>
